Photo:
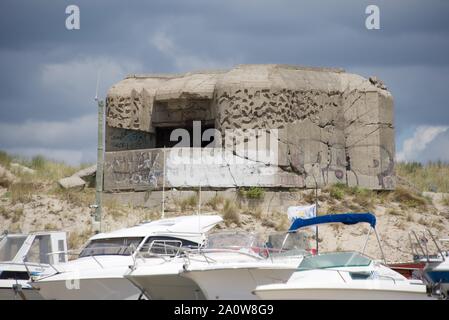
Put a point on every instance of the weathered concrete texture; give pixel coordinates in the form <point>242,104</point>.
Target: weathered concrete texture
<point>125,139</point>
<point>333,126</point>
<point>143,170</point>
<point>72,182</point>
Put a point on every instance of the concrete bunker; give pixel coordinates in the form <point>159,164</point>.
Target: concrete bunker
<point>330,127</point>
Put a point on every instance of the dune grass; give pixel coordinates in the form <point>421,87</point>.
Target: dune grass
<point>433,176</point>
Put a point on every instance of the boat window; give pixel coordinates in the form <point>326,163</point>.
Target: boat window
<point>39,250</point>
<point>161,245</point>
<point>334,260</point>
<point>61,249</point>
<point>237,239</point>
<point>9,246</point>
<point>288,244</point>
<point>14,275</point>
<point>112,246</point>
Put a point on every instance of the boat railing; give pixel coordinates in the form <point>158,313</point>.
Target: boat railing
<point>162,248</point>
<point>257,253</point>
<point>420,248</point>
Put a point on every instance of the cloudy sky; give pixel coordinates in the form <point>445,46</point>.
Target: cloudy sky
<point>48,73</point>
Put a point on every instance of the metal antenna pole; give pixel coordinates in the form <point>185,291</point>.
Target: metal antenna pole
<point>100,161</point>
<point>163,186</point>
<point>199,200</point>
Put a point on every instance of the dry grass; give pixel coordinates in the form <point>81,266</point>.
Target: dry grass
<point>283,223</point>
<point>83,198</point>
<point>429,177</point>
<point>3,212</point>
<point>445,201</point>
<point>77,239</point>
<point>423,221</point>
<point>46,169</point>
<point>189,202</point>
<point>394,212</point>
<point>257,213</point>
<point>114,209</point>
<point>15,215</point>
<point>309,197</point>
<point>230,212</point>
<point>407,198</point>
<point>215,202</point>
<point>5,159</point>
<point>50,227</point>
<point>22,192</point>
<point>336,208</point>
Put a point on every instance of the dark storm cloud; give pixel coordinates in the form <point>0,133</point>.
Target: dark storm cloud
<point>48,74</point>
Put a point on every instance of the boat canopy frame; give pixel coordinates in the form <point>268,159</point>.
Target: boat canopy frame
<point>345,218</point>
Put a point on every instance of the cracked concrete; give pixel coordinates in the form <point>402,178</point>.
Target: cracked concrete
<point>332,126</point>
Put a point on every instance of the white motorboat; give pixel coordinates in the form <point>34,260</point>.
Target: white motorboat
<point>436,269</point>
<point>23,256</point>
<point>230,266</point>
<point>436,272</point>
<point>98,271</point>
<point>343,275</point>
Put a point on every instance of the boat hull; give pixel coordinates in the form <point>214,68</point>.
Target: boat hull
<point>26,293</point>
<point>216,284</point>
<point>312,291</point>
<point>88,289</point>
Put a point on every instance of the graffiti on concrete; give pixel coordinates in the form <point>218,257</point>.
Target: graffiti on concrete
<point>133,170</point>
<point>123,139</point>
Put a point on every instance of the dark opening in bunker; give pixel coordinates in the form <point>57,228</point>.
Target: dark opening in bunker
<point>187,138</point>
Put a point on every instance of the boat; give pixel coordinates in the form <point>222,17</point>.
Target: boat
<point>229,266</point>
<point>436,269</point>
<point>343,275</point>
<point>23,256</point>
<point>97,273</point>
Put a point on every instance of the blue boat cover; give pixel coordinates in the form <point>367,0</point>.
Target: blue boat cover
<point>346,218</point>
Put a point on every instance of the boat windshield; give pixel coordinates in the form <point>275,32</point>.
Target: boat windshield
<point>288,244</point>
<point>111,246</point>
<point>334,260</point>
<point>40,250</point>
<point>10,245</point>
<point>276,244</point>
<point>233,240</point>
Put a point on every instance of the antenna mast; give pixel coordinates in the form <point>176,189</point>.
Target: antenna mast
<point>100,160</point>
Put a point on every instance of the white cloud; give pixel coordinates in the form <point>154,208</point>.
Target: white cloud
<point>413,147</point>
<point>72,141</point>
<point>182,59</point>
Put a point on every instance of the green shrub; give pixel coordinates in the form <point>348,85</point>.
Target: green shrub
<point>337,191</point>
<point>252,193</point>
